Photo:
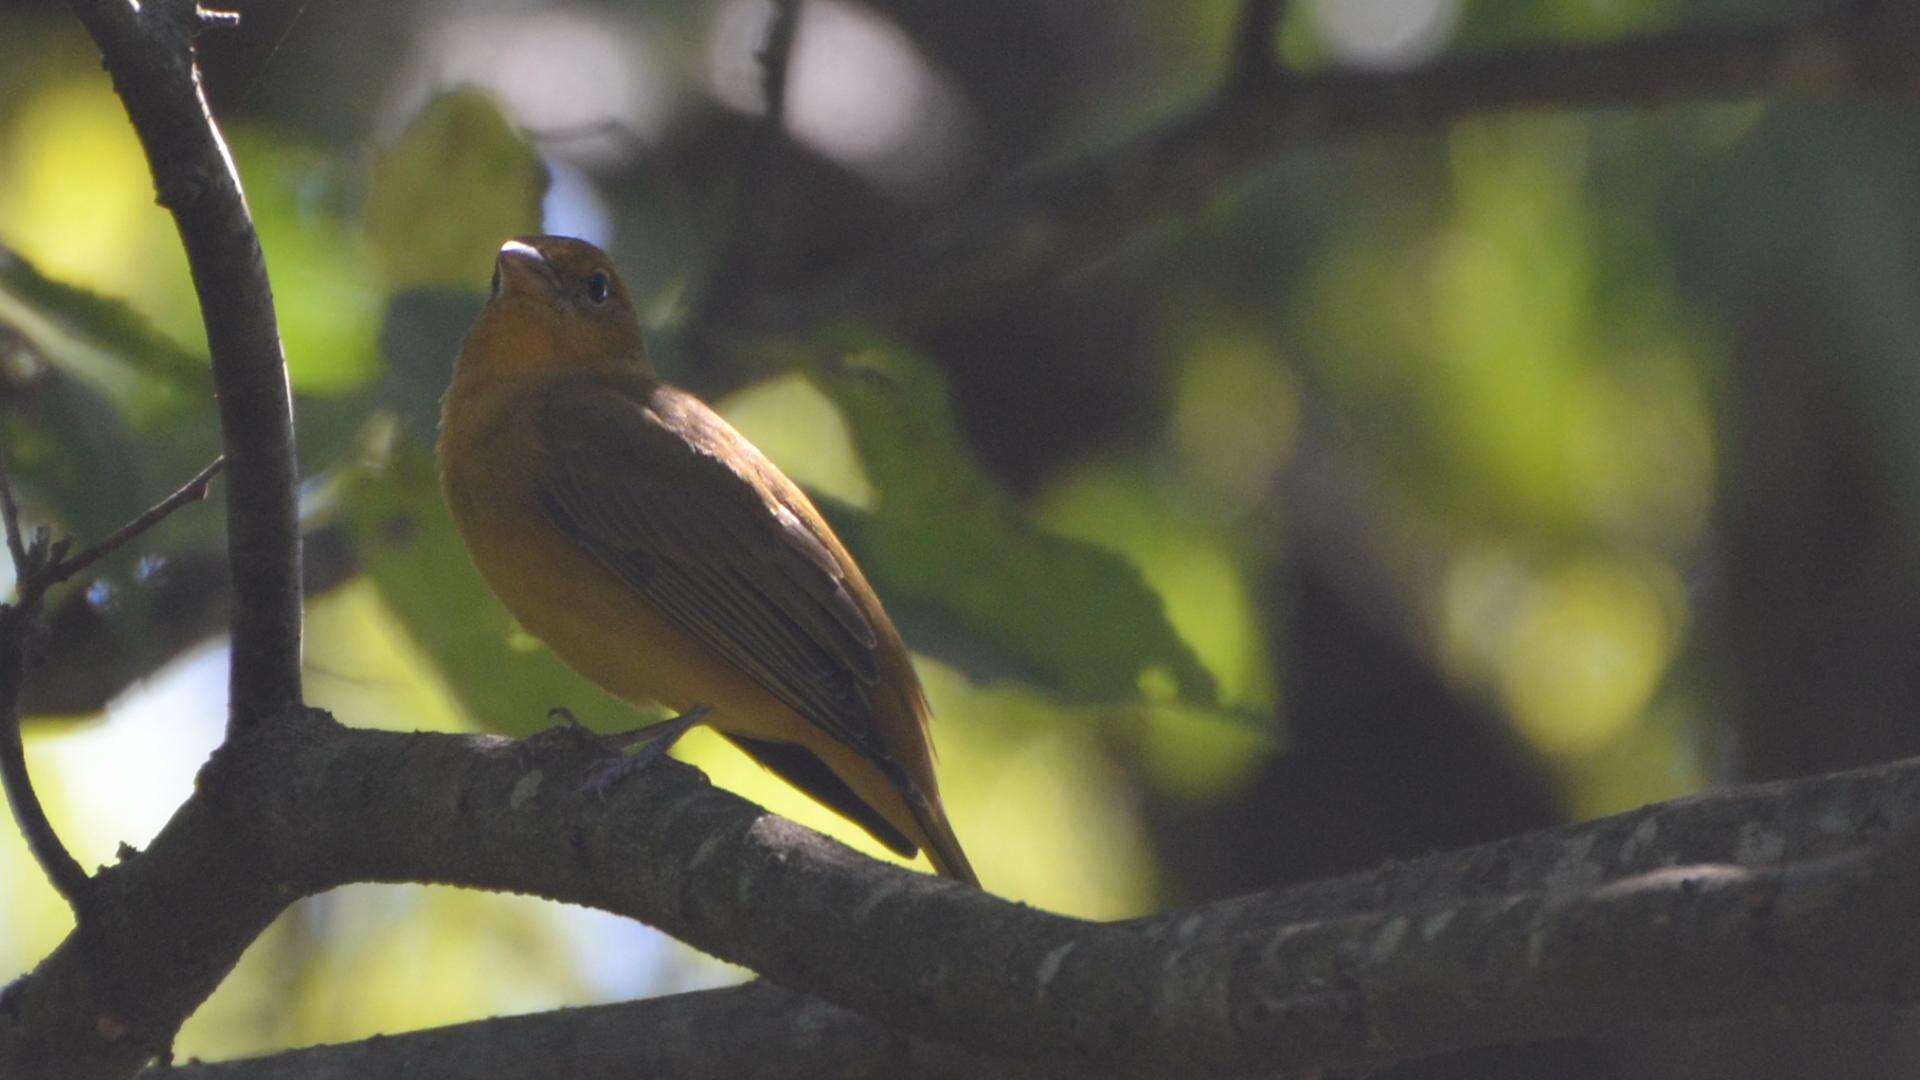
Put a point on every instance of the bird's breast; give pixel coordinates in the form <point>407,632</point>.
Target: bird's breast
<point>592,619</point>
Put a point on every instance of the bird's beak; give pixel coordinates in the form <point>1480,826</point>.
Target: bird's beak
<point>521,266</point>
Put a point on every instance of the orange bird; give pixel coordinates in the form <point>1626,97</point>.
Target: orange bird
<point>661,555</point>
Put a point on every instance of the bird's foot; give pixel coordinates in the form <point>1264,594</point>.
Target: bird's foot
<point>566,735</point>
<point>567,730</point>
<point>657,739</point>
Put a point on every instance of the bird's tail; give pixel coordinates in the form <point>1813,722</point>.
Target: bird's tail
<point>937,839</point>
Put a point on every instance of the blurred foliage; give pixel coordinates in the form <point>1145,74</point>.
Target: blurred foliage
<point>461,146</point>
<point>1485,385</point>
<point>1009,588</point>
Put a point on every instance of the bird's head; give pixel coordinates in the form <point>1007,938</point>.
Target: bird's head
<point>556,303</point>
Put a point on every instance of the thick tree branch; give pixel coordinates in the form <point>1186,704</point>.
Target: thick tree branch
<point>1052,222</point>
<point>1756,825</point>
<point>1817,905</point>
<point>148,49</point>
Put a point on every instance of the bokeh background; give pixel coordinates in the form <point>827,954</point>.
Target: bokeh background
<point>1401,493</point>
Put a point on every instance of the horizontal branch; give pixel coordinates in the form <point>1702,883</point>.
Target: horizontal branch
<point>1751,826</point>
<point>1555,946</point>
<point>1049,222</point>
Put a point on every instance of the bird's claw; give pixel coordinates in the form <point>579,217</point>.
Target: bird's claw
<point>602,777</point>
<point>565,735</point>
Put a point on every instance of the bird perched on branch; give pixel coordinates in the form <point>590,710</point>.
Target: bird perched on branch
<point>661,555</point>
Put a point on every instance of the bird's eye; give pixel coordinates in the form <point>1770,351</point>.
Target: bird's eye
<point>597,288</point>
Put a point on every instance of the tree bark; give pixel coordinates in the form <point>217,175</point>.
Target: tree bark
<point>1790,895</point>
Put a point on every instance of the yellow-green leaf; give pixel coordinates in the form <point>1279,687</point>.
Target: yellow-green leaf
<point>964,572</point>
<point>457,182</point>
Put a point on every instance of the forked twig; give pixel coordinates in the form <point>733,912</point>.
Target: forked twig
<point>40,564</point>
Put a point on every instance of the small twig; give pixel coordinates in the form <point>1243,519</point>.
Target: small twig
<point>774,57</point>
<point>11,510</point>
<point>1044,223</point>
<point>66,874</point>
<point>40,566</point>
<point>1253,42</point>
<point>744,258</point>
<point>192,491</point>
<point>16,626</point>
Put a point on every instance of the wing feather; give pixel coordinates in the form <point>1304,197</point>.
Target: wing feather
<point>670,498</point>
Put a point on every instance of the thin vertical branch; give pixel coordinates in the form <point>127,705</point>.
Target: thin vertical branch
<point>149,52</point>
<point>774,58</point>
<point>744,259</point>
<point>30,564</point>
<point>1252,59</point>
<point>10,510</point>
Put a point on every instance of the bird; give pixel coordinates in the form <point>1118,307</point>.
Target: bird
<point>661,555</point>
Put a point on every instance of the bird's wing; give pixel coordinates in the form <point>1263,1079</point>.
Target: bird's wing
<point>667,495</point>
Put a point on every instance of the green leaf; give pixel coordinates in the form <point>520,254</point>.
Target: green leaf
<point>91,384</point>
<point>99,339</point>
<point>458,181</point>
<point>327,302</point>
<point>421,337</point>
<point>75,457</point>
<point>965,574</point>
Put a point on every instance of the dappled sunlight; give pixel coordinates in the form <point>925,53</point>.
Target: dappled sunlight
<point>367,959</point>
<point>799,429</point>
<point>76,200</point>
<point>1199,755</point>
<point>858,90</point>
<point>1665,755</point>
<point>1590,643</point>
<point>330,307</point>
<point>1235,416</point>
<point>362,667</point>
<point>110,781</point>
<point>570,70</point>
<point>1191,565</point>
<point>1385,33</point>
<point>1575,651</point>
<point>1560,432</point>
<point>1039,799</point>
